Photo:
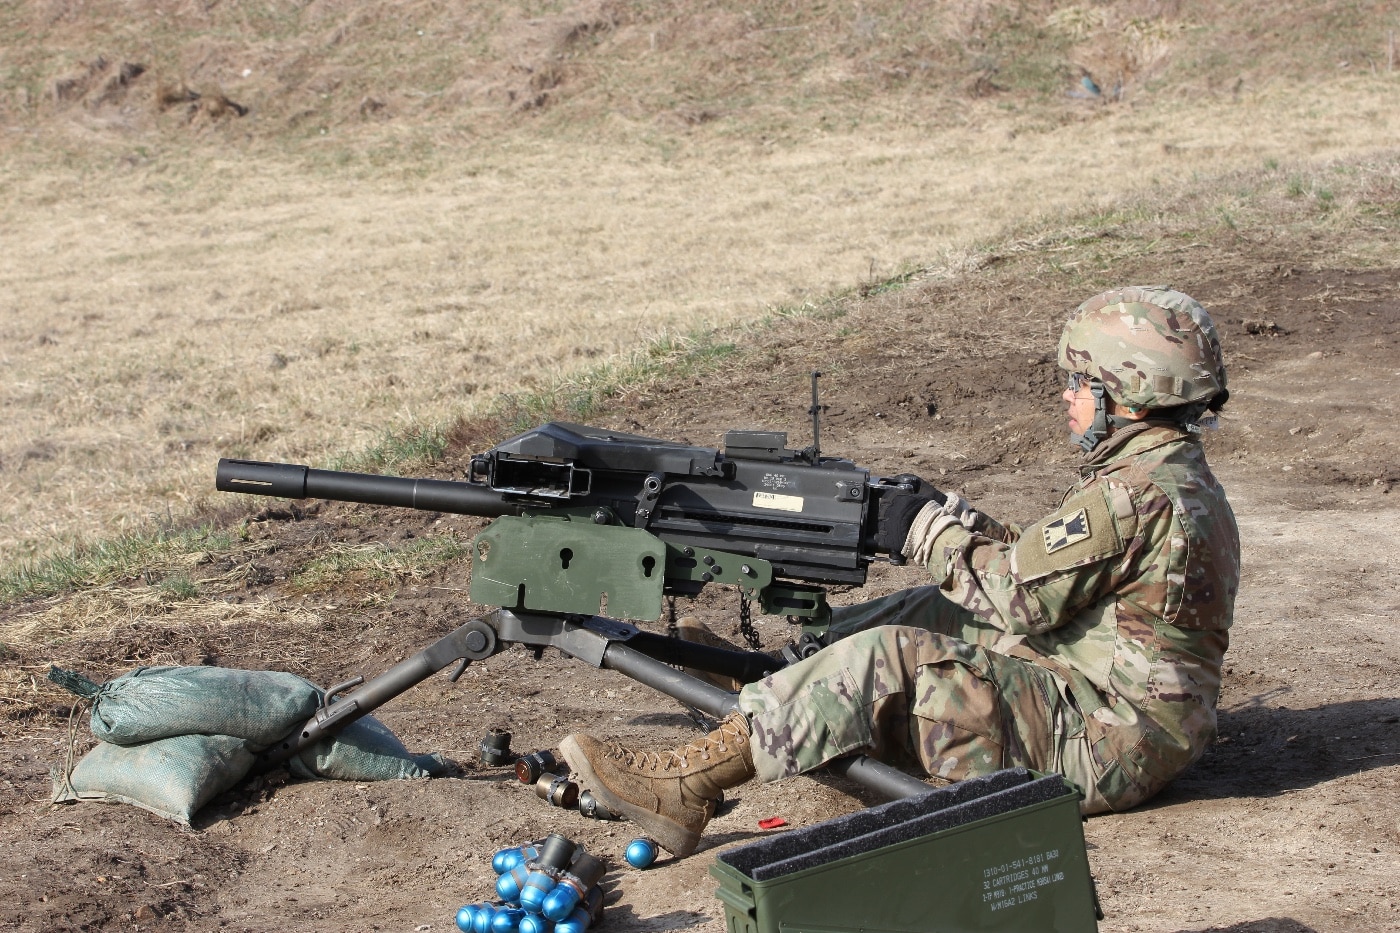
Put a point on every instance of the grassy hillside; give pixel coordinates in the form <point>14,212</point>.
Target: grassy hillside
<point>991,307</point>
<point>296,230</point>
<point>391,80</point>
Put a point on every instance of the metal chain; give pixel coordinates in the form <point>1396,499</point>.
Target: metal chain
<point>672,629</point>
<point>746,623</point>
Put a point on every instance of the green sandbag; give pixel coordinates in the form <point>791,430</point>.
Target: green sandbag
<point>365,750</point>
<point>171,777</point>
<point>173,738</point>
<point>152,703</point>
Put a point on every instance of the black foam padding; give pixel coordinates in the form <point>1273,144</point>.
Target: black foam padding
<point>779,847</point>
<point>894,822</point>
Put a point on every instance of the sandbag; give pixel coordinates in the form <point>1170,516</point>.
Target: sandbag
<point>172,777</point>
<point>152,703</point>
<point>173,738</point>
<point>365,750</point>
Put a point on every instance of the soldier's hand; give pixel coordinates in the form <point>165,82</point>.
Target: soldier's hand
<point>899,507</point>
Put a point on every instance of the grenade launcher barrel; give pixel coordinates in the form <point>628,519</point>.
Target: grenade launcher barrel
<point>293,481</point>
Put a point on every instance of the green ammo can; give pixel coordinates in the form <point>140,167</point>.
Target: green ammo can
<point>1003,852</point>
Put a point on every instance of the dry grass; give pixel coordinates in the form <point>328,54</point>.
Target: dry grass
<point>176,286</point>
<point>108,608</point>
<point>377,566</point>
<point>160,317</point>
<point>774,66</point>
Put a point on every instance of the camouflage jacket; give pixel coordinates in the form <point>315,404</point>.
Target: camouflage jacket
<point>1126,592</point>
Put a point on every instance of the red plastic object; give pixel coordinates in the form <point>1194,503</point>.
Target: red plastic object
<point>771,822</point>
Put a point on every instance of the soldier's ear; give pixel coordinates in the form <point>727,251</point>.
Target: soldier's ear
<point>1131,412</point>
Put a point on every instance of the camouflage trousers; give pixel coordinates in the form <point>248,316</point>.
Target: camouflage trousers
<point>916,682</point>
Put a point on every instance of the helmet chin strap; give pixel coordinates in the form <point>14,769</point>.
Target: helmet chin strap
<point>1104,423</point>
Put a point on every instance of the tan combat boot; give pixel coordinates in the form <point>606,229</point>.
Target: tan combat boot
<point>671,794</point>
<point>691,629</point>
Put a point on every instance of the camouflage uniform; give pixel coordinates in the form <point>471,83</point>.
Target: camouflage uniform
<point>1088,644</point>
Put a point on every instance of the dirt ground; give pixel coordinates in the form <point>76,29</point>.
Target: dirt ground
<point>1288,824</point>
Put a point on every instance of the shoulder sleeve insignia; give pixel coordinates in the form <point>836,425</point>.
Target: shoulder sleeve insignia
<point>1066,530</point>
<point>1081,532</point>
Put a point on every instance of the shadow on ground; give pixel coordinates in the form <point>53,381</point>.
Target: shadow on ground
<point>1267,925</point>
<point>1264,751</point>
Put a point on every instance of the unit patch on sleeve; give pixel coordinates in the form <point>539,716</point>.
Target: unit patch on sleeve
<point>1081,532</point>
<point>1066,530</point>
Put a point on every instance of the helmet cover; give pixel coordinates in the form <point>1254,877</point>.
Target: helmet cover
<point>1150,346</point>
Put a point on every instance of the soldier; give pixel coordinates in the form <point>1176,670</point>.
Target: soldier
<point>1088,644</point>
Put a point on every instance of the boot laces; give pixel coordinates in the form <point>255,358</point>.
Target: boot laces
<point>678,758</point>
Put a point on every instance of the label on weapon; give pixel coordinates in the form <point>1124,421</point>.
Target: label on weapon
<point>770,500</point>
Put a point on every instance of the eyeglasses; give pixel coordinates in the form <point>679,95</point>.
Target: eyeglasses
<point>1079,381</point>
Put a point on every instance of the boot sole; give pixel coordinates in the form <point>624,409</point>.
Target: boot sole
<point>668,834</point>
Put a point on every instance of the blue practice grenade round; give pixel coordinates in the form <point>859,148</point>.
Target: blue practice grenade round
<point>583,874</point>
<point>481,921</point>
<point>640,853</point>
<point>537,888</point>
<point>534,923</point>
<point>576,922</point>
<point>507,920</point>
<point>560,902</point>
<point>506,859</point>
<point>465,915</point>
<point>510,884</point>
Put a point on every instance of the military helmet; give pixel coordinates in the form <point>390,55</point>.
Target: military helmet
<point>1150,346</point>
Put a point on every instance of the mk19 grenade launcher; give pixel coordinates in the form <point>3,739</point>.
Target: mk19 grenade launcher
<point>595,526</point>
<point>590,521</point>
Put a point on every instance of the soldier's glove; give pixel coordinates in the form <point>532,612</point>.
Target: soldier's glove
<point>929,523</point>
<point>898,510</point>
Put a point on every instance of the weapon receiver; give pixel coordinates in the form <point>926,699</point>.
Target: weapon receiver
<point>589,519</point>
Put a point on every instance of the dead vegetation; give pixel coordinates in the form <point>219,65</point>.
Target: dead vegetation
<point>475,70</point>
<point>288,231</point>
